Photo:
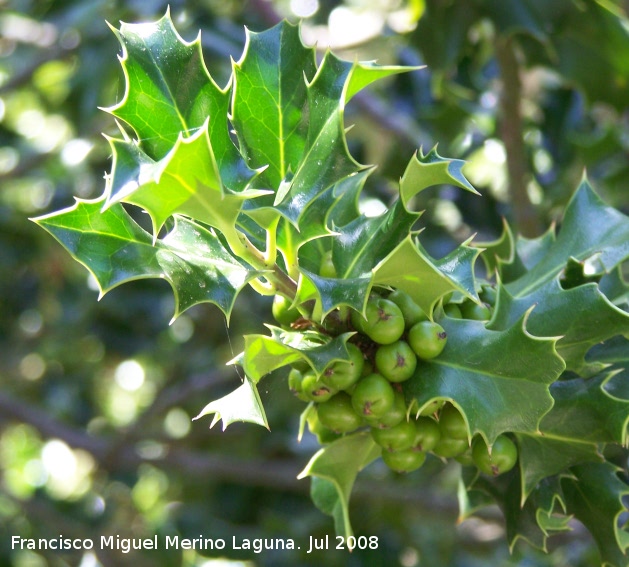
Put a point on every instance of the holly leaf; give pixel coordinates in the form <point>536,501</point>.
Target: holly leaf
<point>410,268</point>
<point>486,384</point>
<point>115,249</point>
<point>356,249</point>
<point>615,288</point>
<point>585,410</point>
<point>593,236</point>
<point>614,351</point>
<point>542,515</point>
<point>471,498</point>
<point>590,228</point>
<point>186,181</point>
<point>584,417</point>
<point>326,159</point>
<point>496,252</point>
<point>431,169</point>
<point>582,316</point>
<point>595,495</point>
<point>304,247</point>
<point>366,241</point>
<point>381,250</point>
<point>263,354</point>
<point>338,464</point>
<point>578,273</point>
<point>510,257</point>
<point>330,293</point>
<point>270,97</point>
<point>288,115</point>
<point>325,496</point>
<point>243,404</point>
<point>169,93</point>
<point>541,457</point>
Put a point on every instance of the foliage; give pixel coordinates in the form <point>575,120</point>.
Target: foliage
<point>265,206</point>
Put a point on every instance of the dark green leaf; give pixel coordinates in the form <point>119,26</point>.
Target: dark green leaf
<point>589,229</point>
<point>116,250</point>
<point>270,95</point>
<point>581,316</point>
<point>596,497</point>
<point>168,89</point>
<point>338,464</point>
<point>489,373</point>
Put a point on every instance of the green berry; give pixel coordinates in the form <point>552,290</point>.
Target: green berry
<point>427,339</point>
<point>452,423</point>
<point>410,310</point>
<point>396,361</point>
<point>488,295</point>
<point>427,434</point>
<point>338,414</point>
<point>395,415</point>
<point>472,310</point>
<point>295,384</point>
<point>452,310</point>
<point>324,434</point>
<point>407,460</point>
<point>449,447</point>
<point>315,389</point>
<point>373,396</point>
<point>396,438</point>
<point>466,458</point>
<point>342,374</point>
<point>384,323</point>
<point>503,456</point>
<point>282,311</point>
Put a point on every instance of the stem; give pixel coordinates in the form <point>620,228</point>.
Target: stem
<point>511,127</point>
<point>271,243</point>
<point>279,281</point>
<point>283,283</point>
<point>261,287</point>
<point>242,247</point>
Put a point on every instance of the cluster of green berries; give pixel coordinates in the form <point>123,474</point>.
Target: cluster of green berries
<point>365,391</point>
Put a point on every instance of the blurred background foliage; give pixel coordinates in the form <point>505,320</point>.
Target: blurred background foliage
<point>96,397</point>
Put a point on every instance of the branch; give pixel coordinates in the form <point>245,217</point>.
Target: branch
<point>511,128</point>
<point>51,522</point>
<point>275,475</point>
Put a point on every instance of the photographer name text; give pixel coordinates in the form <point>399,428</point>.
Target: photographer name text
<point>256,545</point>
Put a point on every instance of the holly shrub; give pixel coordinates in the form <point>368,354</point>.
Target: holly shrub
<point>393,352</point>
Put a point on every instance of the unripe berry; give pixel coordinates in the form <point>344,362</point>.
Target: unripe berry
<point>396,361</point>
<point>427,434</point>
<point>344,373</point>
<point>338,414</point>
<point>373,396</point>
<point>410,310</point>
<point>427,339</point>
<point>396,438</point>
<point>384,323</point>
<point>452,423</point>
<point>407,460</point>
<point>503,456</point>
<point>315,389</point>
<point>395,415</point>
